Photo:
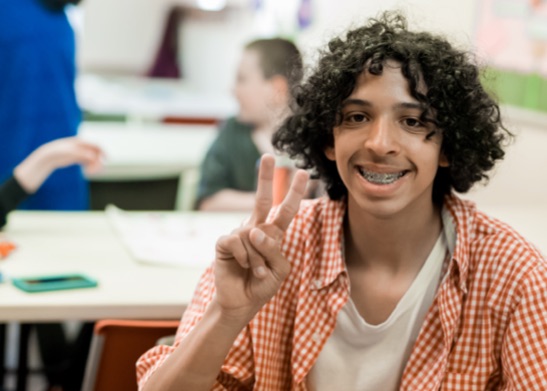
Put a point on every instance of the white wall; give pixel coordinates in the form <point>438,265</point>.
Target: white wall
<point>454,18</point>
<point>211,45</point>
<point>519,179</point>
<point>122,35</point>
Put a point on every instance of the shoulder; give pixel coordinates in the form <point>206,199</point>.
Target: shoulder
<point>513,260</point>
<point>492,249</point>
<point>480,232</point>
<point>230,135</point>
<point>31,20</point>
<point>232,127</point>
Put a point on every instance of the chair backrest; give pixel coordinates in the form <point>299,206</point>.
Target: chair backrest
<point>116,347</point>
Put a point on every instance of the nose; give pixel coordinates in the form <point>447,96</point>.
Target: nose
<point>382,138</point>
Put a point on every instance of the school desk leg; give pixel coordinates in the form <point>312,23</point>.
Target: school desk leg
<point>3,330</point>
<point>22,365</point>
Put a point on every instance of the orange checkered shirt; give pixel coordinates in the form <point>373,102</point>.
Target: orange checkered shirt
<point>486,329</point>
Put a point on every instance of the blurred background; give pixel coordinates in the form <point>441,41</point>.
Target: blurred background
<point>123,36</point>
<point>174,61</point>
<point>154,83</point>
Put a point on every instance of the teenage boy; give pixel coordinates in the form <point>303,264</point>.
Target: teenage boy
<point>392,282</point>
<point>267,70</point>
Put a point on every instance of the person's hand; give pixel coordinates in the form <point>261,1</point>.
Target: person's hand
<point>67,151</point>
<point>63,152</point>
<point>249,266</point>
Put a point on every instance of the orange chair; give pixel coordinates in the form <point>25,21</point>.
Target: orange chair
<point>116,347</point>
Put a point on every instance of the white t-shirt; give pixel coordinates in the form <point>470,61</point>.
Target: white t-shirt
<point>362,357</point>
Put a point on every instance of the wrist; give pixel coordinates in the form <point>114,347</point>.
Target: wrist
<point>32,172</point>
<point>235,317</point>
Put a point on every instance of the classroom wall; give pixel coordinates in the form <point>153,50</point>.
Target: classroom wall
<point>119,35</point>
<point>519,179</point>
<point>122,35</point>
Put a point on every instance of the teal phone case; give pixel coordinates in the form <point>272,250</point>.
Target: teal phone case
<point>54,282</point>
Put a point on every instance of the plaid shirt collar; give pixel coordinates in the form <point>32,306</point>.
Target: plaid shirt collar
<point>463,215</point>
<point>331,260</point>
<point>332,264</point>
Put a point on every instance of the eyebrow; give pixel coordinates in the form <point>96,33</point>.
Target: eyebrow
<point>366,103</point>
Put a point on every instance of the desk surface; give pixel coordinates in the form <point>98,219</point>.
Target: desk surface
<point>147,151</point>
<point>62,242</point>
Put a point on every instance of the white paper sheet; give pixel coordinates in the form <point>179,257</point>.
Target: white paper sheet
<point>183,239</point>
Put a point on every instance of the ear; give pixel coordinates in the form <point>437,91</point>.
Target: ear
<point>330,154</point>
<point>280,87</point>
<point>443,160</point>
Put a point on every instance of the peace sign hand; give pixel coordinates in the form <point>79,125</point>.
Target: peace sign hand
<point>249,266</point>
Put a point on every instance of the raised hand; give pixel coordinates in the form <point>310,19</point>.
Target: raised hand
<point>249,265</point>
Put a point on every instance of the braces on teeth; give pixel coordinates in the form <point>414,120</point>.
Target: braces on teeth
<point>380,177</point>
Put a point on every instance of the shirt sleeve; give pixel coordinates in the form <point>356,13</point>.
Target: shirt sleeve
<point>11,194</point>
<point>524,350</point>
<point>238,363</point>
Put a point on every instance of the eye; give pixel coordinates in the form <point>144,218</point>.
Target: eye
<point>354,118</point>
<point>414,125</point>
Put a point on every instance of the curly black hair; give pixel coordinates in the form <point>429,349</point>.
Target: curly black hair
<point>469,119</point>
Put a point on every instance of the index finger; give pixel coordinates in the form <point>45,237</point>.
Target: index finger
<point>290,205</point>
<point>264,189</point>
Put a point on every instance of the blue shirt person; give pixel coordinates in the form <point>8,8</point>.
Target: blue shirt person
<point>37,97</point>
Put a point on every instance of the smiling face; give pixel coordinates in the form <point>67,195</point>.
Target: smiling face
<point>386,155</point>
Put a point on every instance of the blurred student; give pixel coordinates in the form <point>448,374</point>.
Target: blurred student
<point>64,361</point>
<point>267,71</point>
<point>37,97</point>
<point>392,282</point>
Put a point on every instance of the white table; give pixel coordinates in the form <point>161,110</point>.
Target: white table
<point>62,242</point>
<point>51,243</point>
<point>152,151</point>
<point>136,151</point>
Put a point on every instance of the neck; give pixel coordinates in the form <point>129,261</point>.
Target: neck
<point>262,137</point>
<point>263,132</point>
<point>396,244</point>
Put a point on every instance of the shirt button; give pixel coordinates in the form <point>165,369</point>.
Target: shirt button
<point>317,283</point>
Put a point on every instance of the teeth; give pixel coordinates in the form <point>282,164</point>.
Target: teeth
<point>381,178</point>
